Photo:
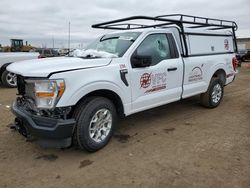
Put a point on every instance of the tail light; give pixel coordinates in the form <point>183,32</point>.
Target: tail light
<point>235,63</point>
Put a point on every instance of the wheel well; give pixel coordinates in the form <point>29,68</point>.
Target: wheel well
<point>3,68</point>
<point>221,74</point>
<point>112,96</point>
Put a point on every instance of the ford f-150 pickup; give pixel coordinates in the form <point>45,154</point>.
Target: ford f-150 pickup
<point>145,63</point>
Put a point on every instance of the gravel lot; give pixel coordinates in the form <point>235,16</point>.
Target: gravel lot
<point>177,145</point>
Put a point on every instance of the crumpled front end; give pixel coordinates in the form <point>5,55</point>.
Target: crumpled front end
<point>48,127</point>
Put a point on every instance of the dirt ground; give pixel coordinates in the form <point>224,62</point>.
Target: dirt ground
<point>177,145</point>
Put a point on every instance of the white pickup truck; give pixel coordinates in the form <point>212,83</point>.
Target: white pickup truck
<point>145,64</point>
<point>7,78</point>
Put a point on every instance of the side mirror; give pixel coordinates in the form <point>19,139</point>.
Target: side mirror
<point>141,61</point>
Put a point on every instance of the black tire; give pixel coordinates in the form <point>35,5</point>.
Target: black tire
<point>83,114</point>
<point>76,114</point>
<point>207,98</point>
<point>5,79</point>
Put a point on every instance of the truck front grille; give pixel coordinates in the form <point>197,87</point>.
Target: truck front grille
<point>30,90</point>
<point>27,98</point>
<point>24,88</point>
<point>20,85</point>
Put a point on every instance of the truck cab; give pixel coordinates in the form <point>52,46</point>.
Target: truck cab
<point>79,99</point>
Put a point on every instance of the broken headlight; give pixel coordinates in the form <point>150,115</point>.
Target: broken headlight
<point>47,92</point>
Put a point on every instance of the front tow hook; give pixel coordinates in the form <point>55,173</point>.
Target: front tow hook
<point>20,127</point>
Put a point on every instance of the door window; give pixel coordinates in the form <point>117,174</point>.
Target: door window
<point>156,46</point>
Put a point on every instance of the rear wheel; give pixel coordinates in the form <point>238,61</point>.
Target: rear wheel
<point>214,94</point>
<point>95,122</point>
<point>9,79</point>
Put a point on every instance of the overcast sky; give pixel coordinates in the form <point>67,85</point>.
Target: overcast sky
<point>39,21</point>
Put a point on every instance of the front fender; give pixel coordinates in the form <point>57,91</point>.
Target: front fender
<point>70,100</point>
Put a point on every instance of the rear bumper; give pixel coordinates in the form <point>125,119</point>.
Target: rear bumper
<point>48,132</point>
<point>231,77</point>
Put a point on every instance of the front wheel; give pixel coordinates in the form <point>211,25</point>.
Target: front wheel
<point>95,122</point>
<point>9,79</point>
<point>214,94</point>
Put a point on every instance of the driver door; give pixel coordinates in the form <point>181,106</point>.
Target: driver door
<point>160,81</point>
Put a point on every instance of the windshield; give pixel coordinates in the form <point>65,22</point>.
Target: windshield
<point>116,44</point>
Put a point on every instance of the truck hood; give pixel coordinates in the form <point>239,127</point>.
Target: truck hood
<point>44,67</point>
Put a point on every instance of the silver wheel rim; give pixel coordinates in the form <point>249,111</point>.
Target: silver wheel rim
<point>217,93</point>
<point>11,79</point>
<point>100,125</point>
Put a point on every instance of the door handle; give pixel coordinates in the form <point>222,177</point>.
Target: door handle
<point>172,69</point>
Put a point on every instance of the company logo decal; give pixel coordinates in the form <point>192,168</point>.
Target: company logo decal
<point>156,89</point>
<point>122,66</point>
<point>156,81</point>
<point>226,44</point>
<point>145,80</point>
<point>195,75</point>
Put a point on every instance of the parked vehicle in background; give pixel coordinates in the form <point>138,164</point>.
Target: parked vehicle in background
<point>64,51</point>
<point>239,55</point>
<point>242,56</point>
<point>246,56</point>
<point>78,99</point>
<point>47,52</point>
<point>7,78</point>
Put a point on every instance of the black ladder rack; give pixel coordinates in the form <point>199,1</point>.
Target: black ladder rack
<point>199,22</point>
<point>173,19</point>
<point>163,21</point>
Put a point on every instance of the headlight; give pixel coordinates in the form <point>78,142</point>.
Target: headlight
<point>48,92</point>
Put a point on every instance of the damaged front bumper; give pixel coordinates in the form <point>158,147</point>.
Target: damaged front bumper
<point>46,131</point>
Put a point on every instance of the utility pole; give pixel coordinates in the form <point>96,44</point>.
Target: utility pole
<point>69,38</point>
<point>53,42</point>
